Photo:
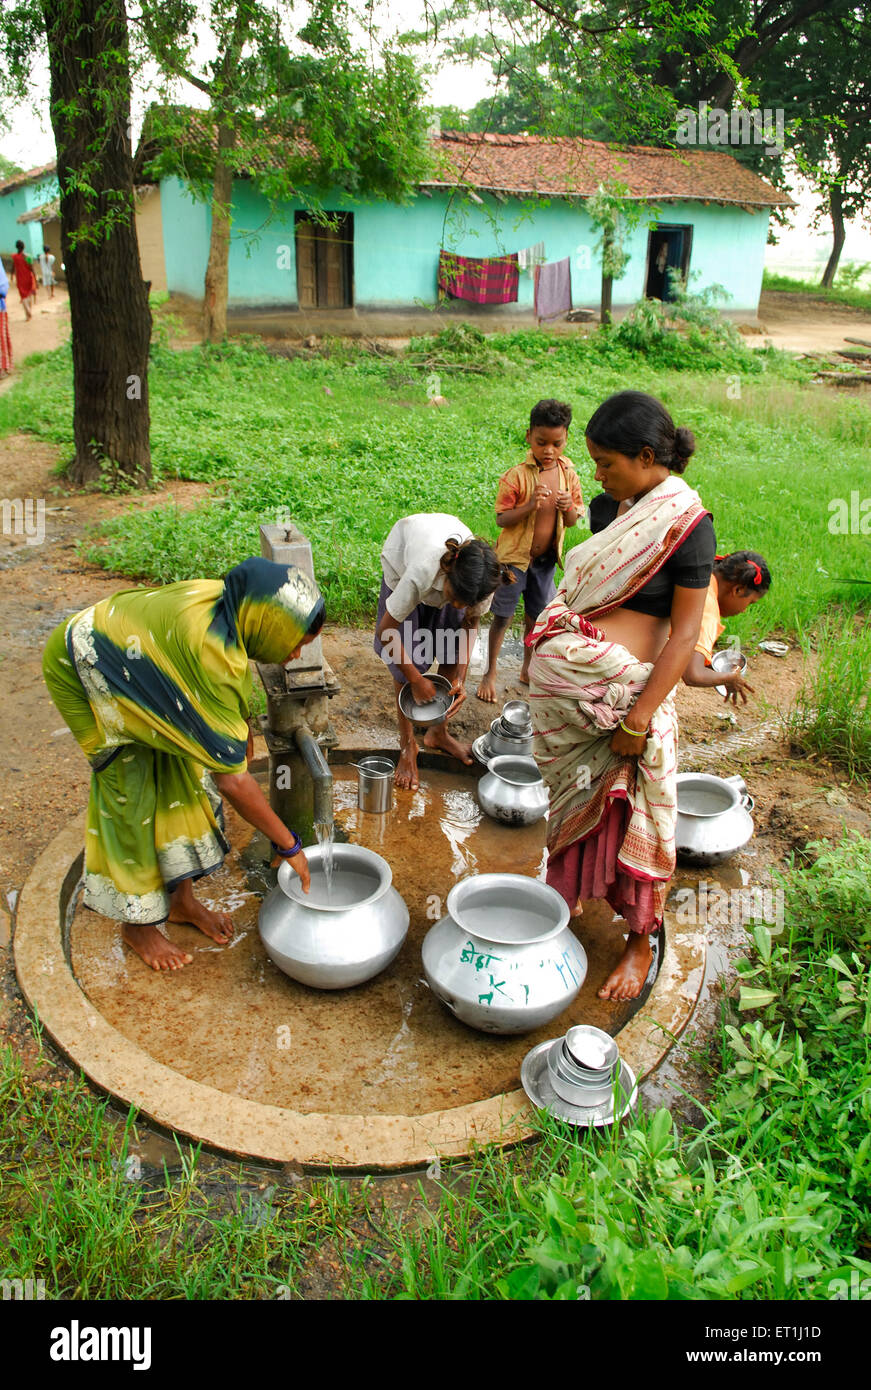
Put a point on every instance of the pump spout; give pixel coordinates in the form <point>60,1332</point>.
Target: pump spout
<point>322,778</point>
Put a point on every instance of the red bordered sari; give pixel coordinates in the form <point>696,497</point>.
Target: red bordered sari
<point>611,824</point>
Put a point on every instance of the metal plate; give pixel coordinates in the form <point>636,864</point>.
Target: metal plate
<point>481,749</point>
<point>536,1083</point>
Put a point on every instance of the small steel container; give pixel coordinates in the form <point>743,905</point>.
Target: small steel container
<point>375,785</point>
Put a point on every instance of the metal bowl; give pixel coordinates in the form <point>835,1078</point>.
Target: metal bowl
<point>592,1092</point>
<point>503,741</point>
<point>434,711</point>
<point>591,1049</point>
<point>516,717</point>
<point>727,663</point>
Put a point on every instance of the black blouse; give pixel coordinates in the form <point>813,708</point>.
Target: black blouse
<point>688,567</point>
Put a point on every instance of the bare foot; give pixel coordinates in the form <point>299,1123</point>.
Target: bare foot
<point>405,776</point>
<point>154,948</point>
<point>523,678</point>
<point>446,743</point>
<point>627,980</point>
<point>487,690</point>
<point>218,926</point>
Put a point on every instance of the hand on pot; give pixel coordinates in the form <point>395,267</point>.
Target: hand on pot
<point>423,690</point>
<point>458,697</point>
<point>299,864</point>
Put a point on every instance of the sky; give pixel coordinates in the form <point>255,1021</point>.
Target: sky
<point>800,249</point>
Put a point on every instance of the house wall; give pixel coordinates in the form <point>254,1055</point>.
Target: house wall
<point>396,248</point>
<point>18,201</point>
<point>149,234</point>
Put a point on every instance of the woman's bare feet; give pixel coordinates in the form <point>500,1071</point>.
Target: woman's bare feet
<point>627,980</point>
<point>154,948</point>
<point>446,743</point>
<point>184,907</point>
<point>487,690</point>
<point>405,776</point>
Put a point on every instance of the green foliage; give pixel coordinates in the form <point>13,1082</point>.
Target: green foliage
<point>769,1199</point>
<point>850,273</point>
<point>687,331</point>
<point>73,1215</point>
<point>832,714</point>
<point>260,432</point>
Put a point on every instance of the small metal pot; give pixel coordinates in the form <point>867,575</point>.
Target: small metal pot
<point>375,785</point>
<point>713,817</point>
<point>512,791</point>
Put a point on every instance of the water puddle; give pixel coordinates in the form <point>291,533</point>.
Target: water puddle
<point>235,1022</point>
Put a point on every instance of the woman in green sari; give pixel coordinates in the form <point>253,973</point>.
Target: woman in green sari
<point>155,685</point>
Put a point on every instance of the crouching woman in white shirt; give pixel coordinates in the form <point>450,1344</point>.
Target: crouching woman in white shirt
<point>437,580</point>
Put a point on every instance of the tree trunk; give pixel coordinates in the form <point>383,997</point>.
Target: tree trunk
<point>217,269</point>
<point>607,285</point>
<point>111,320</point>
<point>836,209</point>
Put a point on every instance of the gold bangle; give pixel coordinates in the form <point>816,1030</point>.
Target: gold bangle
<point>635,733</point>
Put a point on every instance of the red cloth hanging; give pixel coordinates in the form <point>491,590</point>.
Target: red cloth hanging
<point>479,280</point>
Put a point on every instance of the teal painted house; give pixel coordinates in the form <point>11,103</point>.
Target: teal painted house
<point>492,195</point>
<point>21,194</point>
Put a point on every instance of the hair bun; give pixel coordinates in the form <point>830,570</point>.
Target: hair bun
<point>684,443</point>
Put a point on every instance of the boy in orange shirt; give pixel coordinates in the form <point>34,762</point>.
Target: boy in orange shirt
<point>537,500</point>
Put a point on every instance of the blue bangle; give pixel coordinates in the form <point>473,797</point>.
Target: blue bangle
<point>288,853</point>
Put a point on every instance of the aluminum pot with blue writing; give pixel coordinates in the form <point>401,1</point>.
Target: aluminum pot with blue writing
<point>504,959</point>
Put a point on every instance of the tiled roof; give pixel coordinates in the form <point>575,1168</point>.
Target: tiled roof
<point>538,165</point>
<point>532,164</point>
<point>46,212</point>
<point>27,176</point>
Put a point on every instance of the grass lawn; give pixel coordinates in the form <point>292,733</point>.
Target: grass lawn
<point>851,295</point>
<point>347,442</point>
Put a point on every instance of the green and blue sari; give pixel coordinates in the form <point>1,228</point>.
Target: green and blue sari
<point>155,685</point>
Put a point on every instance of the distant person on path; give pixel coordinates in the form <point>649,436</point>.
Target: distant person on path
<point>607,654</point>
<point>537,500</point>
<point>5,339</point>
<point>24,278</point>
<point>437,580</point>
<point>156,687</point>
<point>46,268</point>
<point>737,581</point>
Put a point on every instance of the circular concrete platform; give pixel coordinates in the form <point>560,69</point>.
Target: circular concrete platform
<point>190,1051</point>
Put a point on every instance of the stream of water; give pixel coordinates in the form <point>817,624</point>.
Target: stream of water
<point>324,832</point>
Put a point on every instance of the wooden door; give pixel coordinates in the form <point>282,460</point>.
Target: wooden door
<point>324,259</point>
<point>306,266</point>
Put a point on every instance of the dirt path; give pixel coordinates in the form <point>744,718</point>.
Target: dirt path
<point>48,328</point>
<point>800,323</point>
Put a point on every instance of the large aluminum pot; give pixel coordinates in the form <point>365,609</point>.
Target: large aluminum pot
<point>713,817</point>
<point>512,791</point>
<point>335,942</point>
<point>504,959</point>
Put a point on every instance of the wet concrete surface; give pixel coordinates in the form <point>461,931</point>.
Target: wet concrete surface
<point>233,1021</point>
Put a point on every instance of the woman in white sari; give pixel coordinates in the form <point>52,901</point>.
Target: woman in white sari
<point>607,654</point>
